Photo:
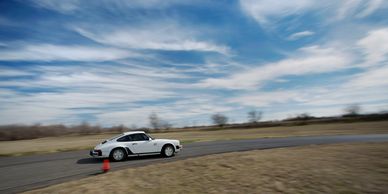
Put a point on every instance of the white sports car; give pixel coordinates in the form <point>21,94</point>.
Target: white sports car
<point>135,143</point>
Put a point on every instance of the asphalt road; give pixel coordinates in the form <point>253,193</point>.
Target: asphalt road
<point>29,172</point>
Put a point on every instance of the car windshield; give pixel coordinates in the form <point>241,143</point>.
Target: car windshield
<point>150,136</point>
<point>117,136</point>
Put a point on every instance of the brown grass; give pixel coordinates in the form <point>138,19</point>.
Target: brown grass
<point>78,142</point>
<point>338,168</point>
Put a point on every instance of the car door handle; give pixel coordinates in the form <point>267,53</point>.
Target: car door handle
<point>134,143</point>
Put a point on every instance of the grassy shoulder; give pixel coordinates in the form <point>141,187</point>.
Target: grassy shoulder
<point>337,168</point>
<point>80,142</point>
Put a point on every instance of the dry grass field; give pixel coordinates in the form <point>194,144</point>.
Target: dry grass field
<point>337,168</point>
<point>79,142</point>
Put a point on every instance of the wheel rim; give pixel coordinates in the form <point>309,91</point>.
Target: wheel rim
<point>169,151</point>
<point>118,154</point>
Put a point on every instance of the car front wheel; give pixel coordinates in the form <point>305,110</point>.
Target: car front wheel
<point>168,151</point>
<point>118,154</point>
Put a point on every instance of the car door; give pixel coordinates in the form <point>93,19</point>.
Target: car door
<point>141,143</point>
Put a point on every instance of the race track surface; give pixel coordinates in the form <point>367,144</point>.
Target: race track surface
<point>29,172</point>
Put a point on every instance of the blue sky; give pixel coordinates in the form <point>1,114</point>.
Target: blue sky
<point>116,62</point>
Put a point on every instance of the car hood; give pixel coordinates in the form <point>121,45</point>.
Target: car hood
<point>102,144</point>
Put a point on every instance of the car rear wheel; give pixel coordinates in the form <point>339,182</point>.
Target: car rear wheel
<point>168,151</point>
<point>117,154</point>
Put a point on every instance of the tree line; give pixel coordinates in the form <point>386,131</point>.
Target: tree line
<point>156,123</point>
<point>253,116</point>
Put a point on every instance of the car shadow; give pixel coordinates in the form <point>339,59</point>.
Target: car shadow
<point>144,157</point>
<point>131,158</point>
<point>89,161</point>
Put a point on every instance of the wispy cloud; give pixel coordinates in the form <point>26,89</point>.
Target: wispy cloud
<point>374,77</point>
<point>62,92</point>
<point>366,88</point>
<point>299,35</point>
<point>372,6</point>
<point>50,52</point>
<point>375,46</point>
<point>268,13</point>
<point>11,72</point>
<point>359,8</point>
<point>164,35</point>
<point>309,60</point>
<point>71,6</point>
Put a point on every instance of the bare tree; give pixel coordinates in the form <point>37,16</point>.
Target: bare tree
<point>254,116</point>
<point>219,119</point>
<point>300,117</point>
<point>157,123</point>
<point>85,128</point>
<point>352,110</point>
<point>154,121</point>
<point>166,125</point>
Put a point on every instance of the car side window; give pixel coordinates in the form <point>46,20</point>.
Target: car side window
<point>139,137</point>
<point>124,138</point>
<point>145,137</point>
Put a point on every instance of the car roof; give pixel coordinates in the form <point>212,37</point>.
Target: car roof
<point>132,132</point>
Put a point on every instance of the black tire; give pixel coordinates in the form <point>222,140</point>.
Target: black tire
<point>115,156</point>
<point>166,150</point>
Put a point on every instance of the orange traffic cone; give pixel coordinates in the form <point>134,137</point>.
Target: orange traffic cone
<point>105,166</point>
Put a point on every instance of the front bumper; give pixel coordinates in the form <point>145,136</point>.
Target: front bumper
<point>95,153</point>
